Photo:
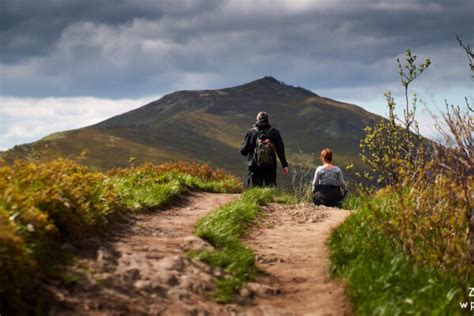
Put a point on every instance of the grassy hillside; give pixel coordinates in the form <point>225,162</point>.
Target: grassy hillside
<point>208,126</point>
<point>48,208</point>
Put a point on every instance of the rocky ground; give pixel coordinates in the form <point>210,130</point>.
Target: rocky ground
<point>144,270</point>
<point>291,251</point>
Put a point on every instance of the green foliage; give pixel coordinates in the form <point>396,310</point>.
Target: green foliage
<point>16,263</point>
<point>409,247</point>
<point>223,228</point>
<point>352,201</point>
<point>428,225</point>
<point>410,71</point>
<point>45,205</point>
<point>41,207</point>
<point>469,54</point>
<point>428,196</point>
<point>382,279</point>
<point>56,201</point>
<point>285,197</point>
<point>140,190</point>
<point>394,144</point>
<point>152,186</point>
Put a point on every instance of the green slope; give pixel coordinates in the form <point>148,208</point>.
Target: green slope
<point>208,126</point>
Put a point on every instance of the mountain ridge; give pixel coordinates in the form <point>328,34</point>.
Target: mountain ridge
<point>208,126</point>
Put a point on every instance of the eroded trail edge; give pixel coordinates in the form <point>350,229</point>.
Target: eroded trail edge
<point>290,244</point>
<point>145,270</point>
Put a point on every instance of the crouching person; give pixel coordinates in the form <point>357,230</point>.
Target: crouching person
<point>329,187</point>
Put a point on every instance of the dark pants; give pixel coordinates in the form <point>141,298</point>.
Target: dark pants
<point>263,176</point>
<point>329,195</point>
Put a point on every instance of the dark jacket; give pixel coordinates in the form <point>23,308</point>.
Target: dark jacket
<point>250,140</point>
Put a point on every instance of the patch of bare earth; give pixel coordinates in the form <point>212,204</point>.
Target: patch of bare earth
<point>290,245</point>
<point>144,270</point>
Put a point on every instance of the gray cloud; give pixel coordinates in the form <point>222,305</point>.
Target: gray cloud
<point>125,48</point>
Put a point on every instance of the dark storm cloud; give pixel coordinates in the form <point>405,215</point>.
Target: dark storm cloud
<point>126,48</point>
<point>30,28</point>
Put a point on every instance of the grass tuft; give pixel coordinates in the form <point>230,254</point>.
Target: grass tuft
<point>223,229</point>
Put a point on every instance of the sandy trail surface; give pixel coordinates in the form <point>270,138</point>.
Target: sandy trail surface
<point>291,251</point>
<point>143,268</point>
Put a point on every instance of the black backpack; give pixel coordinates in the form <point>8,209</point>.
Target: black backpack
<point>264,153</point>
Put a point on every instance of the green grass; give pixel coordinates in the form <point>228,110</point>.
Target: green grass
<point>145,189</point>
<point>139,194</point>
<point>352,201</point>
<point>223,228</point>
<point>381,280</point>
<point>46,205</point>
<point>285,197</point>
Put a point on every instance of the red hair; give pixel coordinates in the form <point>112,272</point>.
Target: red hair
<point>326,155</point>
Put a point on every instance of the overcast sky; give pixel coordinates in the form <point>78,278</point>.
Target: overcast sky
<point>67,64</point>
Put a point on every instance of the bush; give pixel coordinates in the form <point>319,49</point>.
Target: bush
<point>409,248</point>
<point>45,205</point>
<point>16,263</point>
<point>56,200</point>
<point>428,224</point>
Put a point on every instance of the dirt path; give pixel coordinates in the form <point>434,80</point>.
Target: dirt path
<point>143,269</point>
<point>290,245</point>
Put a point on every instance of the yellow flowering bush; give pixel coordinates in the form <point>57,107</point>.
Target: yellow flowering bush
<point>44,205</point>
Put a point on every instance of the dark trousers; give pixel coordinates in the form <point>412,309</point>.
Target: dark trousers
<point>329,195</point>
<point>263,176</point>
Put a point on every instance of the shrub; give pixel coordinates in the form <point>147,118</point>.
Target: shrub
<point>428,193</point>
<point>56,200</point>
<point>44,205</point>
<point>428,224</point>
<point>16,263</point>
<point>409,248</point>
<point>395,144</point>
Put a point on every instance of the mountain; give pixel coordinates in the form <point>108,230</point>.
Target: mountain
<point>208,126</point>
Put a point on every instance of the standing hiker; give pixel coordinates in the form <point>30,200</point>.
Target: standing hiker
<point>261,145</point>
<point>329,187</point>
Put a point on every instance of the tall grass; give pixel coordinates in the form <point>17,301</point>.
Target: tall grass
<point>46,205</point>
<point>382,278</point>
<point>409,249</point>
<point>152,186</point>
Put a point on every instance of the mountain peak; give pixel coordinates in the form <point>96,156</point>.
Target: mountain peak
<point>270,79</point>
<point>271,83</point>
<point>267,80</point>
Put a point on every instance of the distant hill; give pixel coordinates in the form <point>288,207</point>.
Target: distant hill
<point>208,126</point>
